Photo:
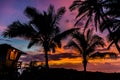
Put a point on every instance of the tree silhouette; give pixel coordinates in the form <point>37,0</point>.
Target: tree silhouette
<point>85,44</point>
<point>42,29</point>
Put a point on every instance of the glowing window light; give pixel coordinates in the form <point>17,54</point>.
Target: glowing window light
<point>13,54</point>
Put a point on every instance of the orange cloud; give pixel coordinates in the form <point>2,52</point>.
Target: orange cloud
<point>65,61</point>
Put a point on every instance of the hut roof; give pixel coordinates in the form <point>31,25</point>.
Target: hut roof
<point>5,47</point>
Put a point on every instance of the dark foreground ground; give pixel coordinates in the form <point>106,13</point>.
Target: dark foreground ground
<point>66,74</point>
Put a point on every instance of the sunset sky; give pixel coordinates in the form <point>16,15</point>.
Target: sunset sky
<point>13,10</point>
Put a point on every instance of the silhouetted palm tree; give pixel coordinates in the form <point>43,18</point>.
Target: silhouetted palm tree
<point>85,44</point>
<point>42,29</point>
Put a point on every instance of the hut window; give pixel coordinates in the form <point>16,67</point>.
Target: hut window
<point>13,54</point>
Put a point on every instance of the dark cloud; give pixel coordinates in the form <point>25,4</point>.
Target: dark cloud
<point>62,55</point>
<point>40,57</point>
<point>36,57</point>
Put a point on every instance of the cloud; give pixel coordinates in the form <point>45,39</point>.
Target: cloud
<point>77,66</point>
<point>62,55</point>
<point>40,57</point>
<point>28,58</point>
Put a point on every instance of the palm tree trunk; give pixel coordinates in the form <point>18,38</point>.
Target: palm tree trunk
<point>84,63</point>
<point>46,60</point>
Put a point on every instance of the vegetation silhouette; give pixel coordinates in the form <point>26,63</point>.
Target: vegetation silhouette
<point>66,74</point>
<point>85,44</point>
<point>100,11</point>
<point>42,29</point>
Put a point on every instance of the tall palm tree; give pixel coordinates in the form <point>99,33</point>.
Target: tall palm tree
<point>42,29</point>
<point>85,44</point>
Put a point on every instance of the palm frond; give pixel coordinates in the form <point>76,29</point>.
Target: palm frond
<point>58,42</point>
<point>80,18</point>
<point>87,22</point>
<point>65,34</point>
<point>110,23</point>
<point>97,20</point>
<point>53,47</point>
<point>82,9</point>
<point>32,42</point>
<point>97,43</point>
<point>80,39</point>
<point>19,29</point>
<point>97,40</point>
<point>60,13</point>
<point>51,10</point>
<point>73,44</point>
<point>31,12</point>
<point>75,5</point>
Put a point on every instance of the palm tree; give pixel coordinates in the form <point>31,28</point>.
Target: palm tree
<point>85,44</point>
<point>42,29</point>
